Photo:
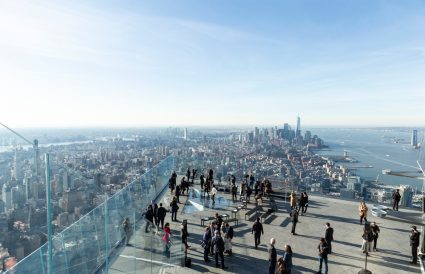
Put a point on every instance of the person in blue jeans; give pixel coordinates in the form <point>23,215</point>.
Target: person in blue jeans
<point>323,255</point>
<point>287,258</point>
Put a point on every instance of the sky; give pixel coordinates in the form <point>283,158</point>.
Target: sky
<point>218,62</point>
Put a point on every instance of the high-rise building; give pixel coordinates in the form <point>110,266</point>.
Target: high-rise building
<point>185,134</point>
<point>298,131</point>
<point>37,165</point>
<point>414,141</point>
<point>307,136</point>
<point>256,132</point>
<point>7,196</point>
<point>406,193</point>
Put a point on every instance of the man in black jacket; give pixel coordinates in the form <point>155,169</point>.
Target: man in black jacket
<point>329,237</point>
<point>161,215</point>
<point>149,218</point>
<point>396,199</point>
<point>257,230</point>
<point>272,256</point>
<point>414,243</point>
<point>294,219</point>
<point>218,244</point>
<point>323,255</point>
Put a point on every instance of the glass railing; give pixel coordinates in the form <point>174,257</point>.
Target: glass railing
<point>93,243</point>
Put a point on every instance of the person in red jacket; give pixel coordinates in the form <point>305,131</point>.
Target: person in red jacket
<point>167,240</point>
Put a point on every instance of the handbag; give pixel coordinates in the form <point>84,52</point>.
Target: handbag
<point>203,244</point>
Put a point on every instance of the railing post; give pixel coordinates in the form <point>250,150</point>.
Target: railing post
<point>106,236</point>
<point>49,217</point>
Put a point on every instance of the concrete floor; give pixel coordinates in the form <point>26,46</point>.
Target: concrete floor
<point>393,254</point>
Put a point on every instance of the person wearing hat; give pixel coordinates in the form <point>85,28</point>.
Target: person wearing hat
<point>218,244</point>
<point>414,243</point>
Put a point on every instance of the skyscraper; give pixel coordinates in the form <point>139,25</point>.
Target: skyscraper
<point>37,165</point>
<point>185,134</point>
<point>414,141</point>
<point>298,131</point>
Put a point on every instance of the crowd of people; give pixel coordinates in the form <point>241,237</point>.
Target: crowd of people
<point>218,235</point>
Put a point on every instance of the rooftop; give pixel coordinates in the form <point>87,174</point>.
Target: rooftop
<point>393,253</point>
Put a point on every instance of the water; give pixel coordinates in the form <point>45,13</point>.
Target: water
<point>375,147</point>
<point>197,202</point>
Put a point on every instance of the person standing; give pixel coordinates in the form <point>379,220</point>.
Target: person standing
<point>375,232</point>
<point>414,243</point>
<point>161,215</point>
<point>329,237</point>
<point>272,256</point>
<point>323,255</point>
<point>184,234</point>
<point>367,240</point>
<point>293,200</point>
<point>193,175</point>
<point>305,202</point>
<point>148,218</point>
<point>251,181</point>
<point>234,191</point>
<point>213,193</point>
<point>363,212</point>
<point>228,231</point>
<point>257,187</point>
<point>218,244</point>
<point>155,214</point>
<point>218,221</point>
<point>202,179</point>
<point>301,203</point>
<point>178,192</point>
<point>188,173</point>
<point>174,209</point>
<point>127,229</point>
<point>287,258</point>
<point>396,199</point>
<point>182,186</point>
<point>206,238</point>
<point>294,220</point>
<point>173,181</point>
<point>257,230</point>
<point>248,194</point>
<point>167,240</point>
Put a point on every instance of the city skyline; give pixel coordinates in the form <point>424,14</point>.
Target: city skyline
<point>103,64</point>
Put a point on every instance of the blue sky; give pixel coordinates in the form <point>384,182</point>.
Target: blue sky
<point>155,63</point>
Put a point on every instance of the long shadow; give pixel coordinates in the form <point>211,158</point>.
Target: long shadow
<point>392,252</point>
<point>393,263</point>
<point>241,233</point>
<point>308,236</point>
<point>347,243</point>
<point>259,248</point>
<point>270,219</point>
<point>286,222</point>
<point>334,218</point>
<point>303,257</point>
<point>396,229</point>
<point>197,265</point>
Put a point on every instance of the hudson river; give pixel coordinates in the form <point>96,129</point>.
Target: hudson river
<point>375,147</point>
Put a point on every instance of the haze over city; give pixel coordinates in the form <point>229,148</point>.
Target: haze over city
<point>168,63</point>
